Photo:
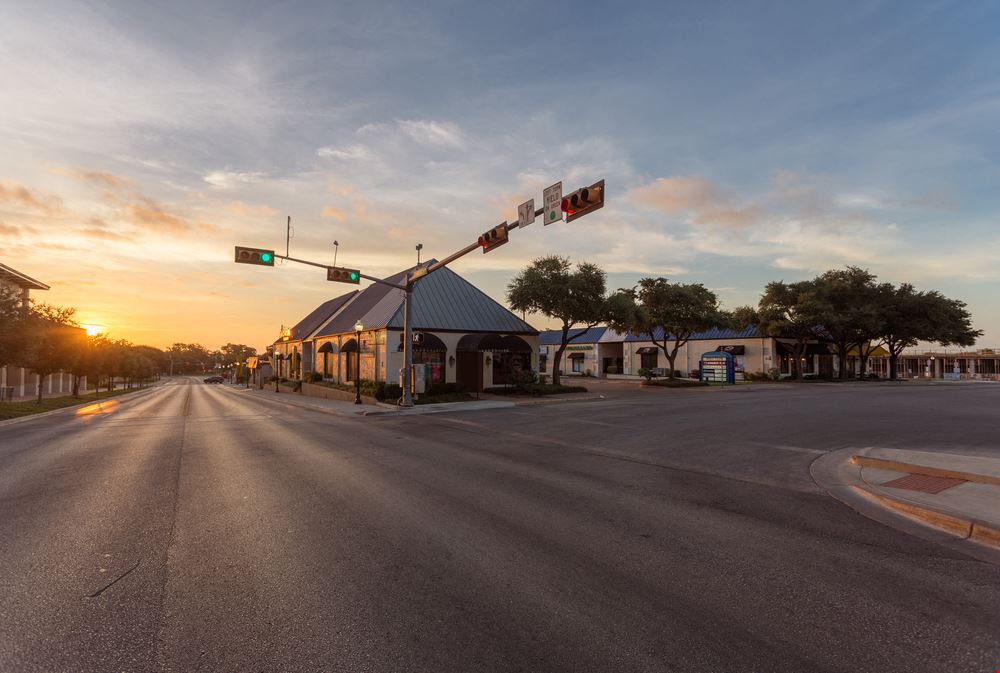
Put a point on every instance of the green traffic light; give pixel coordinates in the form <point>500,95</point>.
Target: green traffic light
<point>265,257</point>
<point>354,276</point>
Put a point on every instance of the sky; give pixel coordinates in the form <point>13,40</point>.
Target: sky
<point>741,143</point>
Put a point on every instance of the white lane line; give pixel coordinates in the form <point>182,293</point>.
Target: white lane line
<point>786,447</point>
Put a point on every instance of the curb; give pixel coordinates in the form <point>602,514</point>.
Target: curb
<point>52,412</point>
<point>289,399</point>
<point>913,468</point>
<point>963,527</point>
<point>840,478</point>
<point>430,409</point>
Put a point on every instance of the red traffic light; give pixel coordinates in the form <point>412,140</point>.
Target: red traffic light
<point>493,238</point>
<point>583,201</point>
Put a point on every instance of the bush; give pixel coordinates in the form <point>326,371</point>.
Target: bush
<point>443,389</point>
<point>314,377</point>
<point>646,374</point>
<point>774,373</point>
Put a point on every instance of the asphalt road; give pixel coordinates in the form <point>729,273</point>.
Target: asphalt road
<point>200,528</point>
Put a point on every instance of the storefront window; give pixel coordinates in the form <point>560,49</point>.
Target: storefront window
<point>543,360</point>
<point>578,365</point>
<point>647,360</point>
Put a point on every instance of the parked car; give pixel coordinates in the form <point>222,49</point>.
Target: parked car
<point>214,379</point>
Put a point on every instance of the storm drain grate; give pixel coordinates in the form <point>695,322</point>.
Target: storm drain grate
<point>923,483</point>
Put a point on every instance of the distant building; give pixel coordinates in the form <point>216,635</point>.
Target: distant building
<point>461,336</point>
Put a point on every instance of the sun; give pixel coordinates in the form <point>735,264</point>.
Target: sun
<point>93,330</point>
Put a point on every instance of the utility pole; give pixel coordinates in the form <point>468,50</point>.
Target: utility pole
<point>555,208</point>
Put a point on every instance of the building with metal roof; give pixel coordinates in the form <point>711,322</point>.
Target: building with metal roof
<point>461,335</point>
<point>603,352</point>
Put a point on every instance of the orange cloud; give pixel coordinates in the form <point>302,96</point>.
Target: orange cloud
<point>244,210</point>
<point>335,213</point>
<point>14,230</point>
<point>695,195</point>
<point>151,216</point>
<point>20,195</point>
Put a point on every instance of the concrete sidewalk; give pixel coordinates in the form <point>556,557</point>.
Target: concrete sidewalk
<point>955,495</point>
<point>345,408</point>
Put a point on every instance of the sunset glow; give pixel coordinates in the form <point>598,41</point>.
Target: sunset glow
<point>133,164</point>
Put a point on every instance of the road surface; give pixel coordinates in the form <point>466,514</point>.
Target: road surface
<point>200,528</point>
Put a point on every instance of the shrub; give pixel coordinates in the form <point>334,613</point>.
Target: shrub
<point>443,389</point>
<point>646,374</point>
<point>774,373</point>
<point>314,377</point>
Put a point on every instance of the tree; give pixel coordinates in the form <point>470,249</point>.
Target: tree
<point>911,317</point>
<point>849,306</point>
<point>791,310</point>
<point>14,331</point>
<point>550,286</point>
<point>55,341</point>
<point>669,313</point>
<point>234,354</point>
<point>189,358</point>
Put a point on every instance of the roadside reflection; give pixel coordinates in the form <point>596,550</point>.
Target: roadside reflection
<point>97,408</point>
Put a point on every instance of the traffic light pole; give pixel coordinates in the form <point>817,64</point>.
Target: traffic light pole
<point>578,204</point>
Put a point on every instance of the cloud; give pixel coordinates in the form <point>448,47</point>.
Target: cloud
<point>20,195</point>
<point>350,153</point>
<point>697,196</point>
<point>15,230</point>
<point>94,177</point>
<point>335,213</point>
<point>149,215</point>
<point>231,179</point>
<point>244,210</point>
<point>425,132</point>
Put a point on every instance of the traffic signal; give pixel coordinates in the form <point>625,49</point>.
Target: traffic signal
<point>342,275</point>
<point>254,256</point>
<point>493,238</point>
<point>584,201</point>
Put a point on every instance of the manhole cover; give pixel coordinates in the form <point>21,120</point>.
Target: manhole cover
<point>923,483</point>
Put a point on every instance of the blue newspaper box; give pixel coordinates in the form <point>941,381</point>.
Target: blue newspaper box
<point>718,367</point>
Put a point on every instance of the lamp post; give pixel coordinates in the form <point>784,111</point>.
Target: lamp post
<point>277,370</point>
<point>358,328</point>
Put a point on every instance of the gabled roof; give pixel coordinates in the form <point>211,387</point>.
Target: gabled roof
<point>553,337</point>
<point>21,280</point>
<point>308,325</point>
<point>441,301</point>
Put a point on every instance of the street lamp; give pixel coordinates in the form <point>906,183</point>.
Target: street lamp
<point>358,328</point>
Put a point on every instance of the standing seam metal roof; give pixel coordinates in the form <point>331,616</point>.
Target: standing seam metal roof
<point>442,300</point>
<point>553,337</point>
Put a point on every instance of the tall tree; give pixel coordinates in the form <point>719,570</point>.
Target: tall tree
<point>55,341</point>
<point>552,287</point>
<point>849,308</point>
<point>668,313</point>
<point>792,310</point>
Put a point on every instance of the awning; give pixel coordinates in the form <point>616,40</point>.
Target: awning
<point>878,352</point>
<point>351,346</point>
<point>647,350</point>
<point>732,350</point>
<point>327,347</point>
<point>576,356</point>
<point>424,341</point>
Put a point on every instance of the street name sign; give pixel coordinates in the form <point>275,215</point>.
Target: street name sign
<point>526,213</point>
<point>552,200</point>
